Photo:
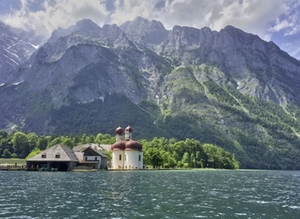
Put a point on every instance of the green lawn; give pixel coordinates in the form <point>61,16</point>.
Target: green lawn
<point>12,161</point>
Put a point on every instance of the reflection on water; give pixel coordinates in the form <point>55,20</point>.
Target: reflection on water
<point>150,194</point>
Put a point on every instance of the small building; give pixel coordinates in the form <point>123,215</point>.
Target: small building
<point>126,154</point>
<point>63,158</point>
<point>58,157</point>
<point>90,156</point>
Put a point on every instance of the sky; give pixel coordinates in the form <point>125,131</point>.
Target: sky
<point>271,20</point>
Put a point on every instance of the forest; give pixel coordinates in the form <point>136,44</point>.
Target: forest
<point>158,153</point>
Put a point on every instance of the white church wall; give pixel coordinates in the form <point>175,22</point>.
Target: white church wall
<point>132,159</point>
<point>117,159</point>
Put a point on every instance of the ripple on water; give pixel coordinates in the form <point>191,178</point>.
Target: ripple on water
<point>150,194</point>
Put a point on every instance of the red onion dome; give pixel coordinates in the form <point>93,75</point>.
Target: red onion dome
<point>119,131</point>
<point>133,145</point>
<point>128,129</point>
<point>119,145</point>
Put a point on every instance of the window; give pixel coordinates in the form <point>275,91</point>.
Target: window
<point>96,158</point>
<point>139,157</point>
<point>57,155</point>
<point>43,155</point>
<point>120,157</point>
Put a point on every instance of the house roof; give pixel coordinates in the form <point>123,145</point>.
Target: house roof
<point>93,147</point>
<point>106,146</point>
<point>65,154</point>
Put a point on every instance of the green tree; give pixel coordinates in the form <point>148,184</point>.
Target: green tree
<point>99,138</point>
<point>90,139</point>
<point>67,141</point>
<point>6,154</point>
<point>32,140</point>
<point>83,139</point>
<point>168,160</point>
<point>42,143</point>
<point>185,160</point>
<point>55,141</point>
<point>20,144</point>
<point>153,157</point>
<point>33,153</point>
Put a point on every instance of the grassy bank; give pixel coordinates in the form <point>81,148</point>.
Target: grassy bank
<point>13,161</point>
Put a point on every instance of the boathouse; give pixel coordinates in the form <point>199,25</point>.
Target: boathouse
<point>58,157</point>
<point>63,158</point>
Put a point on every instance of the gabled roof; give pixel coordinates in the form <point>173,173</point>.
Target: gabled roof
<point>95,146</point>
<point>56,153</point>
<point>82,148</point>
<point>106,146</point>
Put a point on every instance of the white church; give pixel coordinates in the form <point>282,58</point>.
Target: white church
<point>127,153</point>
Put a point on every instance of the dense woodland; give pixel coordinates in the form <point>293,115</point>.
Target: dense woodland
<point>159,152</point>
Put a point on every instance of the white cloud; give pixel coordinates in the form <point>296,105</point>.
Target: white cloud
<point>289,25</point>
<point>261,17</point>
<point>56,13</point>
<point>249,15</point>
<point>130,9</point>
<point>280,25</point>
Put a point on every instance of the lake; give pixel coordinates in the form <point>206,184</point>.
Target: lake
<point>150,194</point>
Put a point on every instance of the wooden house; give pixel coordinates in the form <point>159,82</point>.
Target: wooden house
<point>90,156</point>
<point>63,158</point>
<point>58,157</point>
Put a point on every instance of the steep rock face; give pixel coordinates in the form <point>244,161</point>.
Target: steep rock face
<point>82,64</point>
<point>252,65</point>
<point>84,27</point>
<point>15,49</point>
<point>145,32</point>
<point>67,55</point>
<point>115,36</point>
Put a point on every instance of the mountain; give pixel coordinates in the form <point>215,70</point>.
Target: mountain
<point>228,88</point>
<point>16,46</point>
<point>144,32</point>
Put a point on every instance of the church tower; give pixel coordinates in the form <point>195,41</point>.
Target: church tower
<point>128,133</point>
<point>126,154</point>
<point>119,132</point>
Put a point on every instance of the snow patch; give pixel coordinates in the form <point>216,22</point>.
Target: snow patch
<point>13,54</point>
<point>35,46</point>
<point>17,83</point>
<point>10,58</point>
<point>102,99</point>
<point>85,102</point>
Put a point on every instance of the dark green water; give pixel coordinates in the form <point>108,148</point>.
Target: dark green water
<point>150,194</point>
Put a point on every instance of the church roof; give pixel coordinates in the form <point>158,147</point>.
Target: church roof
<point>127,145</point>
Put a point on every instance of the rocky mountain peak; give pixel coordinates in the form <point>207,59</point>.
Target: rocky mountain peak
<point>15,49</point>
<point>85,24</point>
<point>145,32</point>
<point>85,27</point>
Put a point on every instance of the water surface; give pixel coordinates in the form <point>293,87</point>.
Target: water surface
<point>150,194</point>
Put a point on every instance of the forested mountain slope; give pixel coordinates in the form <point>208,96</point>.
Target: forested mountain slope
<point>228,88</point>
